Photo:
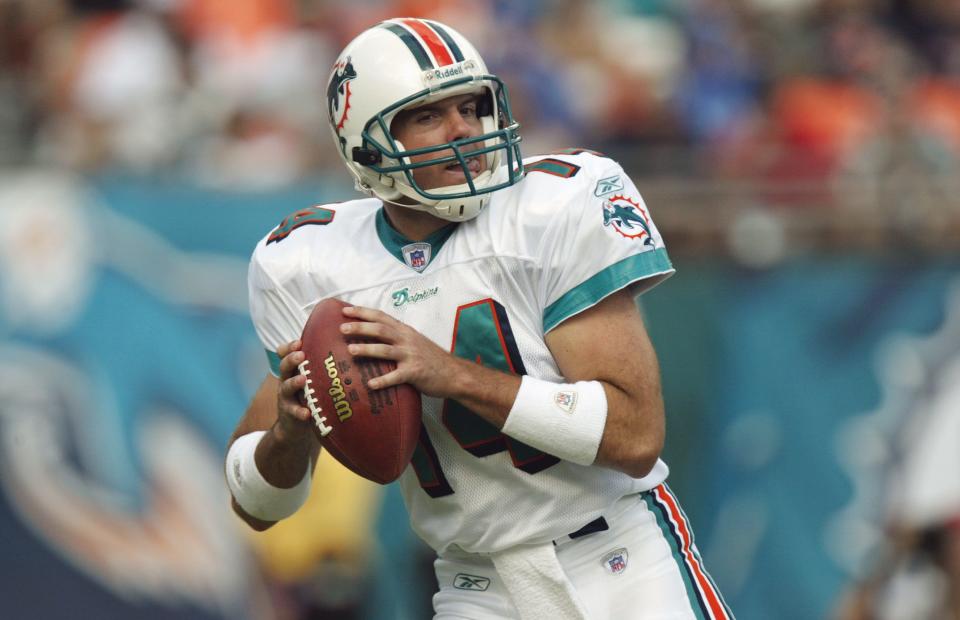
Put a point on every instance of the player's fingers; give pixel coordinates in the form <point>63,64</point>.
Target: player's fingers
<point>287,347</point>
<point>369,314</point>
<point>289,402</point>
<point>394,377</point>
<point>369,329</point>
<point>298,412</point>
<point>302,414</point>
<point>291,388</point>
<point>290,362</point>
<point>378,350</point>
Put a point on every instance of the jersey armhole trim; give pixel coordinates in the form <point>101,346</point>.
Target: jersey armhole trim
<point>612,279</point>
<point>274,360</point>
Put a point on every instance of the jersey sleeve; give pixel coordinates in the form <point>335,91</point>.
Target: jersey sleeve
<point>603,241</point>
<point>276,316</point>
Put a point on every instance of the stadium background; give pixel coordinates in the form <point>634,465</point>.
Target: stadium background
<point>799,156</point>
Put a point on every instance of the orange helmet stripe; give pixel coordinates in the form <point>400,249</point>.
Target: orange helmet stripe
<point>436,45</point>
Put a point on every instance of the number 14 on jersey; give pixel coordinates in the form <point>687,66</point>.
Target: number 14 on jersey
<point>481,333</point>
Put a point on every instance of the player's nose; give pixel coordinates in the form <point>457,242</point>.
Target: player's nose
<point>457,125</point>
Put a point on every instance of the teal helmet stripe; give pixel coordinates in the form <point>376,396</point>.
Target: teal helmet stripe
<point>415,47</point>
<point>440,30</point>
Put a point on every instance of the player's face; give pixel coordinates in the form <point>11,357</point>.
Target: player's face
<point>436,123</point>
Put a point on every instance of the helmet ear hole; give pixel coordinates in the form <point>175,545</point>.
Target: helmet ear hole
<point>366,157</point>
<point>485,103</point>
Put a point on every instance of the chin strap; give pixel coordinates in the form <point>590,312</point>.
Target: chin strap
<point>453,210</point>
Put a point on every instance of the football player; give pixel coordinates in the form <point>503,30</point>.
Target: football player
<point>504,290</point>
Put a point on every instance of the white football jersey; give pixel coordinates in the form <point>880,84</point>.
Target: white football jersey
<point>572,232</point>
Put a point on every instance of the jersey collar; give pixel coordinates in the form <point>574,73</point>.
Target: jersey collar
<point>414,254</point>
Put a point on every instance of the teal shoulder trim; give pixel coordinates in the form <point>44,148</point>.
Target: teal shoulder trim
<point>393,241</point>
<point>580,151</point>
<point>274,360</point>
<point>555,167</point>
<point>312,215</point>
<point>610,280</point>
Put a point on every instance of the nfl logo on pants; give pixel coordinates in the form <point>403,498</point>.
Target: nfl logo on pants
<point>616,561</point>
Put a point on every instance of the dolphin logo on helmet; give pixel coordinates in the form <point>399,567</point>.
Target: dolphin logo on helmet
<point>340,88</point>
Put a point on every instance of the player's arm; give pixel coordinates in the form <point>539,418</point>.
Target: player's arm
<point>606,348</point>
<point>609,343</point>
<point>288,448</point>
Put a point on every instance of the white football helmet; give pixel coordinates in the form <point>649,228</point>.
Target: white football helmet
<point>403,63</point>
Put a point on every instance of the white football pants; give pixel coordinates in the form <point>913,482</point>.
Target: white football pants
<point>645,565</point>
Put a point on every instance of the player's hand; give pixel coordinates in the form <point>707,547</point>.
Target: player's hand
<point>420,362</point>
<point>293,418</point>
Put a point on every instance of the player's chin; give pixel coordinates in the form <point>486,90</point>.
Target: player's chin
<point>454,178</point>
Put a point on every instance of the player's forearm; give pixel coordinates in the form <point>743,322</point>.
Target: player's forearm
<point>268,473</point>
<point>634,432</point>
<point>284,454</point>
<point>488,393</point>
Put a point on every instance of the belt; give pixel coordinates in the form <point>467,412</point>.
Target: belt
<point>597,525</point>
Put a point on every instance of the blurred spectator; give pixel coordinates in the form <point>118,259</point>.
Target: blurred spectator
<point>257,92</point>
<point>619,72</point>
<point>110,80</point>
<point>721,82</point>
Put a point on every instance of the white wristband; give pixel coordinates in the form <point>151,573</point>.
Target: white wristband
<point>562,419</point>
<point>256,496</point>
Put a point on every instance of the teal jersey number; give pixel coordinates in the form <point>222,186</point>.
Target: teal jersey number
<point>481,333</point>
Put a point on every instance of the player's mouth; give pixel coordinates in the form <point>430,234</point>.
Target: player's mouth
<point>474,165</point>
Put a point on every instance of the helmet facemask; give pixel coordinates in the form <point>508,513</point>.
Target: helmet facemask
<point>387,158</point>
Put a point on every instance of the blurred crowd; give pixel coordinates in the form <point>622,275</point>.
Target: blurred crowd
<point>231,91</point>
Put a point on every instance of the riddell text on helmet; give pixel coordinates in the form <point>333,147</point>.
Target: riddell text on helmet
<point>449,72</point>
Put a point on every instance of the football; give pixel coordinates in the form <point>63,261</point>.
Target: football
<point>371,432</point>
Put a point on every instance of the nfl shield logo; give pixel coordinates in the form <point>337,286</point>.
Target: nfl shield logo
<point>417,255</point>
<point>418,259</point>
<point>566,401</point>
<point>616,561</point>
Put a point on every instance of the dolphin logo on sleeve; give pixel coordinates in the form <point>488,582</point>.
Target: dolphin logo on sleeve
<point>628,218</point>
